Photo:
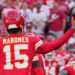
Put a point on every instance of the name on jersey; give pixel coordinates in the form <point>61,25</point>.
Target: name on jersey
<point>15,40</point>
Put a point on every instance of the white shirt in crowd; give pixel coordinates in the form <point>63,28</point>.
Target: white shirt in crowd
<point>44,9</point>
<point>38,20</point>
<point>71,41</point>
<point>71,4</point>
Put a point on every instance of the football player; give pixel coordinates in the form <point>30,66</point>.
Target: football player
<point>50,64</point>
<point>37,63</point>
<point>62,56</point>
<point>17,50</point>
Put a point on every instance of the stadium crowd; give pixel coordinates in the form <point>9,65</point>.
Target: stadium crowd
<point>49,20</point>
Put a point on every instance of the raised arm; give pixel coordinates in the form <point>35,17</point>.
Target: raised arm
<point>50,46</point>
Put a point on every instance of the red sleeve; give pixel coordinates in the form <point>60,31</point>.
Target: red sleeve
<point>50,46</point>
<point>45,2</point>
<point>38,71</point>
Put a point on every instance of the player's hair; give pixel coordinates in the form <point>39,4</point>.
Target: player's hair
<point>14,30</point>
<point>50,34</point>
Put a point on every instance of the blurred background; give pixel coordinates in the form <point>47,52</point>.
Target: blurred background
<point>49,20</point>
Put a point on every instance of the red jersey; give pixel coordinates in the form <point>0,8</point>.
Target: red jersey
<point>72,58</point>
<point>62,57</point>
<point>51,67</point>
<point>39,58</point>
<point>16,54</point>
<point>70,68</point>
<point>57,24</point>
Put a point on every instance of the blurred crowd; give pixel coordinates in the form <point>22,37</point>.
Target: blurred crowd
<point>49,20</point>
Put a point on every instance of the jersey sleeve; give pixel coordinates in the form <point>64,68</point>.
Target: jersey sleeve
<point>50,46</point>
<point>38,43</point>
<point>36,58</point>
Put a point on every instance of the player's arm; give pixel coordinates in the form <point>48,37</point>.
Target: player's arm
<point>50,46</point>
<point>37,68</point>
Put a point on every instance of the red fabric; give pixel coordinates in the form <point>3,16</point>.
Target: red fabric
<point>40,60</point>
<point>7,7</point>
<point>29,52</point>
<point>44,2</point>
<point>7,47</point>
<point>22,0</point>
<point>31,2</point>
<point>62,57</point>
<point>38,71</point>
<point>72,58</point>
<point>63,6</point>
<point>70,68</point>
<point>56,0</point>
<point>50,46</point>
<point>14,1</point>
<point>51,67</point>
<point>57,18</point>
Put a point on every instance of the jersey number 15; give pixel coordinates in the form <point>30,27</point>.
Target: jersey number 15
<point>17,56</point>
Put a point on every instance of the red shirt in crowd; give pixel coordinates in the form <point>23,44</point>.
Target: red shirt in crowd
<point>64,7</point>
<point>57,17</point>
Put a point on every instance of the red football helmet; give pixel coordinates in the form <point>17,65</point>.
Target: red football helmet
<point>13,19</point>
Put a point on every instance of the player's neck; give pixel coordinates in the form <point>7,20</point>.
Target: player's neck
<point>19,32</point>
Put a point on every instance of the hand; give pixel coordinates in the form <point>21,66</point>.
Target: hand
<point>73,22</point>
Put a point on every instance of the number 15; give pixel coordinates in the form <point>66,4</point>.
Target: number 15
<point>17,55</point>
